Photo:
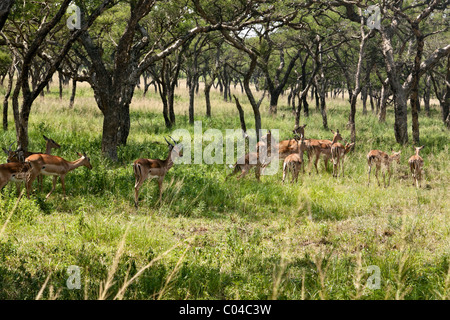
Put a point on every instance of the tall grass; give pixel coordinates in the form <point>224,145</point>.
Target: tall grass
<point>247,240</point>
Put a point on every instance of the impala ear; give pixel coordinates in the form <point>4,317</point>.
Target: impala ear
<point>45,138</point>
<point>5,151</point>
<point>421,147</point>
<point>303,125</point>
<point>79,154</point>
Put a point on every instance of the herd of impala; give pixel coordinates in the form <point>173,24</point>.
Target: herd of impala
<point>27,166</point>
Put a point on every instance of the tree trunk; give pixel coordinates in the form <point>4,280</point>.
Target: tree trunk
<point>109,134</point>
<point>446,98</point>
<point>11,72</point>
<point>426,96</point>
<point>208,99</point>
<point>74,91</point>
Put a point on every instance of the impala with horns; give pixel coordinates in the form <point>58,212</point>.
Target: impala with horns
<point>155,168</point>
<point>53,166</point>
<point>416,167</point>
<point>20,155</point>
<point>381,160</point>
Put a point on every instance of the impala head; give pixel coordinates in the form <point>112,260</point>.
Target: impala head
<point>51,143</point>
<point>10,154</point>
<point>395,156</point>
<point>299,130</point>
<point>175,149</point>
<point>418,149</point>
<point>348,147</point>
<point>301,141</point>
<point>86,161</point>
<point>336,136</point>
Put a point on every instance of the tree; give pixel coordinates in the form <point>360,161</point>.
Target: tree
<point>5,8</point>
<point>36,48</point>
<point>397,13</point>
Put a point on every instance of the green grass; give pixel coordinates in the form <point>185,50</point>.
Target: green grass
<point>235,239</point>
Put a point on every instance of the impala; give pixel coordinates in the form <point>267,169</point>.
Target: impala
<point>381,160</point>
<point>155,168</point>
<point>338,152</point>
<point>14,171</point>
<point>53,166</point>
<point>416,167</point>
<point>290,146</point>
<point>245,163</point>
<point>318,147</point>
<point>20,155</point>
<point>294,162</point>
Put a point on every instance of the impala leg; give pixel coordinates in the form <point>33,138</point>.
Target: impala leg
<point>17,187</point>
<point>316,161</point>
<point>160,181</point>
<point>389,176</point>
<point>376,174</point>
<point>368,181</point>
<point>137,186</point>
<point>29,181</point>
<point>62,178</point>
<point>53,187</point>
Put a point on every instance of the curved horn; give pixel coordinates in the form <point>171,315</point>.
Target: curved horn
<point>173,140</point>
<point>11,146</point>
<point>167,141</point>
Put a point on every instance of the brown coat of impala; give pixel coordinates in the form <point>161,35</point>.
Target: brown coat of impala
<point>13,171</point>
<point>381,160</point>
<point>338,152</point>
<point>20,156</point>
<point>416,167</point>
<point>154,168</point>
<point>53,166</point>
<point>294,162</point>
<point>245,163</point>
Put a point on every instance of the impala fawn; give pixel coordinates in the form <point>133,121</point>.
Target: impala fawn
<point>294,162</point>
<point>381,160</point>
<point>338,152</point>
<point>416,167</point>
